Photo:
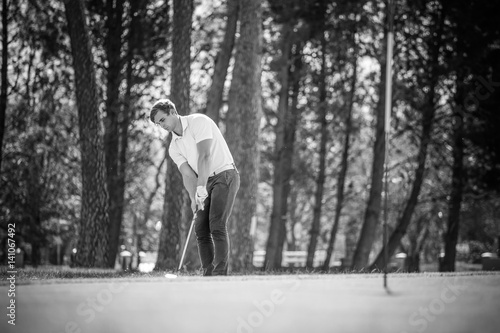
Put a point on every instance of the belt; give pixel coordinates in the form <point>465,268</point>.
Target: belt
<point>223,168</point>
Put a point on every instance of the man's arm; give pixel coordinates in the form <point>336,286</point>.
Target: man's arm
<point>189,179</point>
<point>203,161</point>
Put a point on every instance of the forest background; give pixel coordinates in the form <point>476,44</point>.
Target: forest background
<point>297,88</point>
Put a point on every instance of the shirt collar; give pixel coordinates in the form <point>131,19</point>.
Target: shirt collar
<point>184,124</point>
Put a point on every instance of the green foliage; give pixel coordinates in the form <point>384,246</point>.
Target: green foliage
<point>40,176</point>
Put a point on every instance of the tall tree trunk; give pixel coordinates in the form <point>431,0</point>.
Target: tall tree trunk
<point>425,139</point>
<point>405,219</point>
<point>277,226</point>
<point>344,164</point>
<point>123,122</point>
<point>214,98</point>
<point>33,198</point>
<point>457,184</point>
<point>243,128</point>
<point>292,239</point>
<point>152,194</point>
<point>114,177</point>
<point>412,261</point>
<point>4,82</point>
<point>175,204</point>
<point>92,248</point>
<point>291,122</point>
<point>320,180</point>
<point>351,235</point>
<point>372,213</point>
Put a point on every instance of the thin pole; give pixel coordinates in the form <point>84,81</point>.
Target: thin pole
<point>386,188</point>
<point>187,242</point>
<point>387,127</point>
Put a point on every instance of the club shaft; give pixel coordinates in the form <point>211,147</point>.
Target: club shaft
<point>187,242</point>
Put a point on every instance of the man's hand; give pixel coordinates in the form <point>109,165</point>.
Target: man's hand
<point>193,205</point>
<point>201,195</point>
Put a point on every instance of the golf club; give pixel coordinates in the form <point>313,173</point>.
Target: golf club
<point>173,276</point>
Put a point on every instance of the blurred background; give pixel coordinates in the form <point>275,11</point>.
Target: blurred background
<point>298,89</point>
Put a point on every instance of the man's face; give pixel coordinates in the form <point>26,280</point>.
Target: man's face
<point>165,120</point>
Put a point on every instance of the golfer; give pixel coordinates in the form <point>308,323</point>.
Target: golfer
<point>209,175</point>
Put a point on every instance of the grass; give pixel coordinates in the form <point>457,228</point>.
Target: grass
<point>45,273</point>
<point>29,274</point>
<point>63,274</point>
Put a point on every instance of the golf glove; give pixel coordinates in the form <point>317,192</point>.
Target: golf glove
<point>201,195</point>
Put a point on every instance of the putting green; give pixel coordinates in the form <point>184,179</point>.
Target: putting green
<point>285,303</point>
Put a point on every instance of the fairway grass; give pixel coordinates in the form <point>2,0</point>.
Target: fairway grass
<point>65,274</point>
<point>98,301</point>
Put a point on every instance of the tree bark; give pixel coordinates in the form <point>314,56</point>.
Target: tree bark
<point>149,201</point>
<point>214,98</point>
<point>292,239</point>
<point>176,200</point>
<point>372,213</point>
<point>112,147</point>
<point>277,225</point>
<point>242,128</point>
<point>457,184</point>
<point>34,204</point>
<point>425,139</point>
<point>92,248</point>
<point>4,81</point>
<point>351,235</point>
<point>412,261</point>
<point>121,129</point>
<point>344,164</point>
<point>287,169</point>
<point>320,179</point>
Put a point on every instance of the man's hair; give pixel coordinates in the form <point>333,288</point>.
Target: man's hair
<point>164,105</point>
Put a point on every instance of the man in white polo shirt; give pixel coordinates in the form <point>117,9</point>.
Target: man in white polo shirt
<point>209,175</point>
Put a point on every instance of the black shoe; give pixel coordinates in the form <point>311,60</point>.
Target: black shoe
<point>208,271</point>
<point>220,270</point>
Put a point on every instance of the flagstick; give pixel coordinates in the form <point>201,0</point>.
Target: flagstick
<point>388,107</point>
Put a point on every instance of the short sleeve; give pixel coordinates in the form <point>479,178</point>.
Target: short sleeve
<point>175,155</point>
<point>201,128</point>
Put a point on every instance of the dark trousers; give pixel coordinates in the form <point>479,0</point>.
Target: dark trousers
<point>211,222</point>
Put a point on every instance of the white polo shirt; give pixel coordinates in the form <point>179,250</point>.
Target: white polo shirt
<point>195,128</point>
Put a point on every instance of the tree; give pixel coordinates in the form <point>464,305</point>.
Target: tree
<point>93,232</point>
<point>175,207</point>
<point>457,182</point>
<point>214,98</point>
<point>320,177</point>
<point>282,163</point>
<point>294,34</point>
<point>372,212</point>
<point>128,36</point>
<point>115,176</point>
<point>345,160</point>
<point>429,107</point>
<point>242,128</point>
<point>286,129</point>
<point>3,73</point>
<point>469,61</point>
<point>416,242</point>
